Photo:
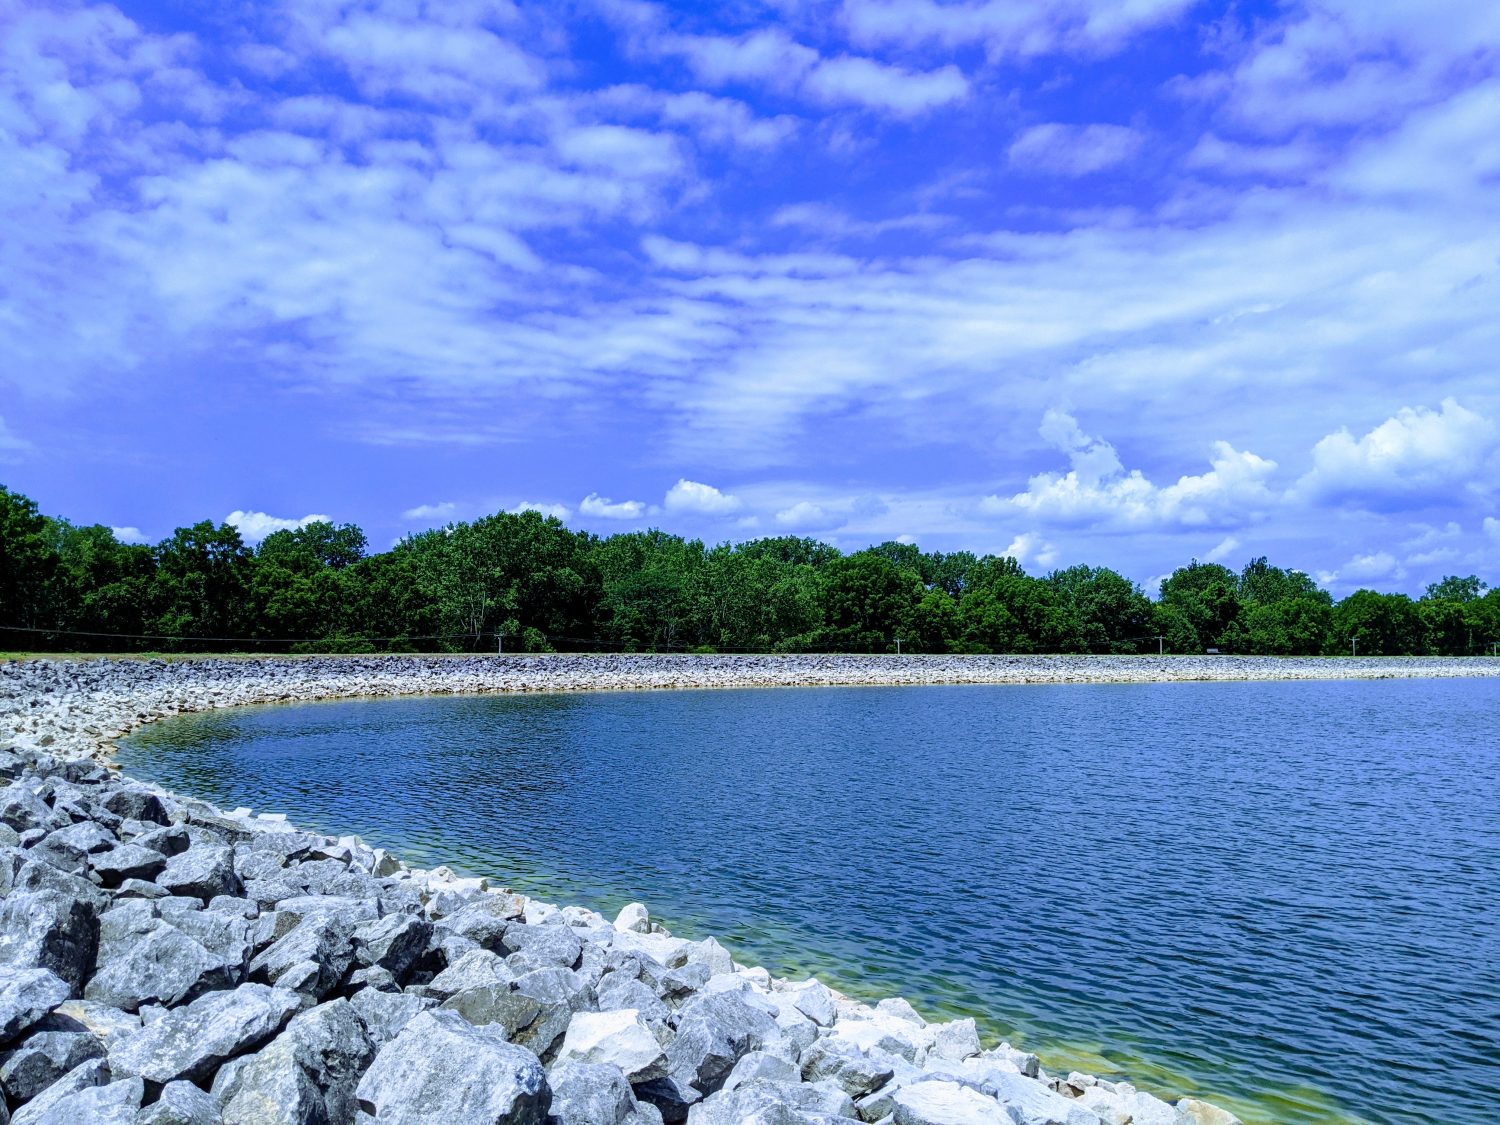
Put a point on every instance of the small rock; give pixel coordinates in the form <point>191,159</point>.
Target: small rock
<point>634,919</point>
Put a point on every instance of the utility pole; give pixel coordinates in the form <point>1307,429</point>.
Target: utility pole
<point>1160,640</point>
<point>1353,646</point>
<point>499,643</point>
<point>898,646</point>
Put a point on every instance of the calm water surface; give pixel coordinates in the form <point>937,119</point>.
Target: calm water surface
<point>1286,896</point>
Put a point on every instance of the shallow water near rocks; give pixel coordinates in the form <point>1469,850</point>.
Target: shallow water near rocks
<point>1282,896</point>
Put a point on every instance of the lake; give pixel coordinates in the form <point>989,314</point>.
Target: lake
<point>1282,896</point>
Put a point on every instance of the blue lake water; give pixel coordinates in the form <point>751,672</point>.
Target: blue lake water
<point>1284,896</point>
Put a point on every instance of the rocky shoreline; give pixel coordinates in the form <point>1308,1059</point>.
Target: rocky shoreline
<point>165,962</point>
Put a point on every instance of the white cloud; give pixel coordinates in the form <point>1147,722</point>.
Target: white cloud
<point>1225,548</point>
<point>1009,27</point>
<point>1074,150</point>
<point>1098,490</point>
<point>620,149</point>
<point>862,81</point>
<point>691,496</point>
<point>601,507</point>
<point>255,526</point>
<point>443,510</point>
<point>1414,456</point>
<point>908,540</point>
<point>804,513</point>
<point>128,534</point>
<point>1492,528</point>
<point>1364,568</point>
<point>1031,548</point>
<point>556,511</point>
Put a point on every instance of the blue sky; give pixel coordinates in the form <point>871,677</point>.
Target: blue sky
<point>1112,281</point>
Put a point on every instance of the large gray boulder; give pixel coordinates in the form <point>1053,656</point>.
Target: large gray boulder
<point>49,929</point>
<point>131,803</point>
<point>473,968</point>
<point>69,849</point>
<point>26,995</point>
<point>1036,1104</point>
<point>543,945</point>
<point>203,871</point>
<point>851,1070</point>
<point>307,1074</point>
<point>485,920</point>
<point>442,1068</point>
<point>44,1057</point>
<point>948,1103</point>
<point>386,1013</point>
<point>114,1104</point>
<point>181,1103</point>
<point>191,1042</point>
<point>620,1039</point>
<point>589,1094</point>
<point>127,861</point>
<point>501,1006</point>
<point>713,1033</point>
<point>393,943</point>
<point>763,1102</point>
<point>325,940</point>
<point>146,960</point>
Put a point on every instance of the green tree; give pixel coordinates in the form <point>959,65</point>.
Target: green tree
<point>28,563</point>
<point>1381,624</point>
<point>1199,603</point>
<point>1098,610</point>
<point>868,602</point>
<point>201,584</point>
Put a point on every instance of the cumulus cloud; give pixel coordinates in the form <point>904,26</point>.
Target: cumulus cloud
<point>128,534</point>
<point>1074,150</point>
<point>691,496</point>
<point>556,511</point>
<point>866,82</point>
<point>443,510</point>
<point>1223,550</point>
<point>255,526</point>
<point>1098,490</point>
<point>601,507</point>
<point>1009,27</point>
<point>1375,566</point>
<point>804,513</point>
<point>1415,456</point>
<point>1031,548</point>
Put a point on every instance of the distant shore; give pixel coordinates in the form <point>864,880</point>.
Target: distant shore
<point>78,707</point>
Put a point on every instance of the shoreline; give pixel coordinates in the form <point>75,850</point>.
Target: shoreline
<point>847,1061</point>
<point>87,703</point>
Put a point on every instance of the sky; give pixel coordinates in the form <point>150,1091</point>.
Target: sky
<point>1121,282</point>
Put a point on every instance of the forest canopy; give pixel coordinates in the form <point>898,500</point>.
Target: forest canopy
<point>531,584</point>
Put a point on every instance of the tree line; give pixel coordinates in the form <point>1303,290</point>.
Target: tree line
<point>531,584</point>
